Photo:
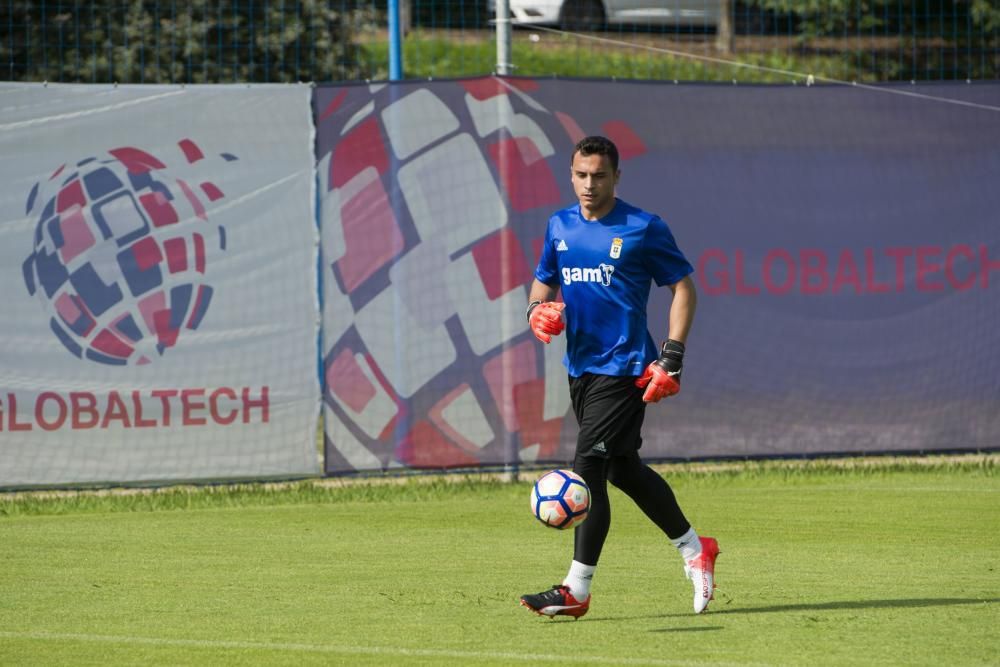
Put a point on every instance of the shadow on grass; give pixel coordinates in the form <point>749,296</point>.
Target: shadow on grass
<point>905,603</point>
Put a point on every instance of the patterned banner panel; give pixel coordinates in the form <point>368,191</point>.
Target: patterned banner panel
<point>157,247</point>
<point>845,241</point>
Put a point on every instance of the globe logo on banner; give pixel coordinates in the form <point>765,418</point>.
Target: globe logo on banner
<point>435,203</point>
<point>120,252</point>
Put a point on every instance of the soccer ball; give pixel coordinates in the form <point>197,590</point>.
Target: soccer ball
<point>560,499</point>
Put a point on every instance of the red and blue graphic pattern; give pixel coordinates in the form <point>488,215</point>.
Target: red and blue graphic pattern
<point>120,252</point>
<point>434,207</point>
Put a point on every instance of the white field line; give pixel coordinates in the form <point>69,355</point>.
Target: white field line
<point>527,658</point>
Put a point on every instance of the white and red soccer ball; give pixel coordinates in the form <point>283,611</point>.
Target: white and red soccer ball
<point>560,499</point>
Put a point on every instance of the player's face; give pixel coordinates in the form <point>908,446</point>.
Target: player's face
<point>594,183</point>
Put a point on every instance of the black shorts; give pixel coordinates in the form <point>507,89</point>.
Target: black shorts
<point>609,410</point>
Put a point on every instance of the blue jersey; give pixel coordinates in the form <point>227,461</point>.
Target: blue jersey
<point>605,268</point>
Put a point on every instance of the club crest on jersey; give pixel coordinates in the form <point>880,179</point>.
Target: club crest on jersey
<point>616,248</point>
<point>599,274</point>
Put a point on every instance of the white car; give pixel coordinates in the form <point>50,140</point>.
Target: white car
<point>593,14</point>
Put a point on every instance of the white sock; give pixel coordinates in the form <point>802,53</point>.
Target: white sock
<point>578,579</point>
<point>689,544</point>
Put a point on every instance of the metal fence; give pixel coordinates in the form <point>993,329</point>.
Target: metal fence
<point>198,41</point>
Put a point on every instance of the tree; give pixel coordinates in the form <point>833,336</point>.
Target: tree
<point>724,33</point>
<point>934,38</point>
<point>198,41</point>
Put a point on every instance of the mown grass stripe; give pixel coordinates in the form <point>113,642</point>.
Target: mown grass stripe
<point>437,486</point>
<point>526,658</point>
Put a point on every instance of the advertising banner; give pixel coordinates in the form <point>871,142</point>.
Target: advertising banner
<point>158,259</point>
<point>845,241</point>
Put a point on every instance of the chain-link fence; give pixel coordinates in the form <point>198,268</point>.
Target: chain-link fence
<point>167,41</point>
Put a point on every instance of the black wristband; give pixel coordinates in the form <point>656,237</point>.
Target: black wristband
<point>531,307</point>
<point>673,346</point>
<point>672,357</point>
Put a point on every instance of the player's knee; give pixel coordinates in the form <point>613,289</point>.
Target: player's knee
<point>624,472</point>
<point>592,469</point>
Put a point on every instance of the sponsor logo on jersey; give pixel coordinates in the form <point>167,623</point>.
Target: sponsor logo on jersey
<point>616,248</point>
<point>562,245</point>
<point>599,274</point>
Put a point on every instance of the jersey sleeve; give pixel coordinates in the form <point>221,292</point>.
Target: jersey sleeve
<point>547,270</point>
<point>664,260</point>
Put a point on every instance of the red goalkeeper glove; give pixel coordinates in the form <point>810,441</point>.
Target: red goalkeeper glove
<point>545,319</point>
<point>662,377</point>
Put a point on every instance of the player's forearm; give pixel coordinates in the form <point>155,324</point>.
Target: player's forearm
<point>541,292</point>
<point>682,308</point>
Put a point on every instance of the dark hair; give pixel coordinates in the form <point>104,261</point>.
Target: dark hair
<point>596,145</point>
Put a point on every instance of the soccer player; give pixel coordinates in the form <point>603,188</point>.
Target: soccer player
<point>604,254</point>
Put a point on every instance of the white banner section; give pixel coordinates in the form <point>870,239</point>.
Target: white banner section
<point>158,252</point>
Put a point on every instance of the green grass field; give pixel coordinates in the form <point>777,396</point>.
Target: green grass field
<point>429,57</point>
<point>822,564</point>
